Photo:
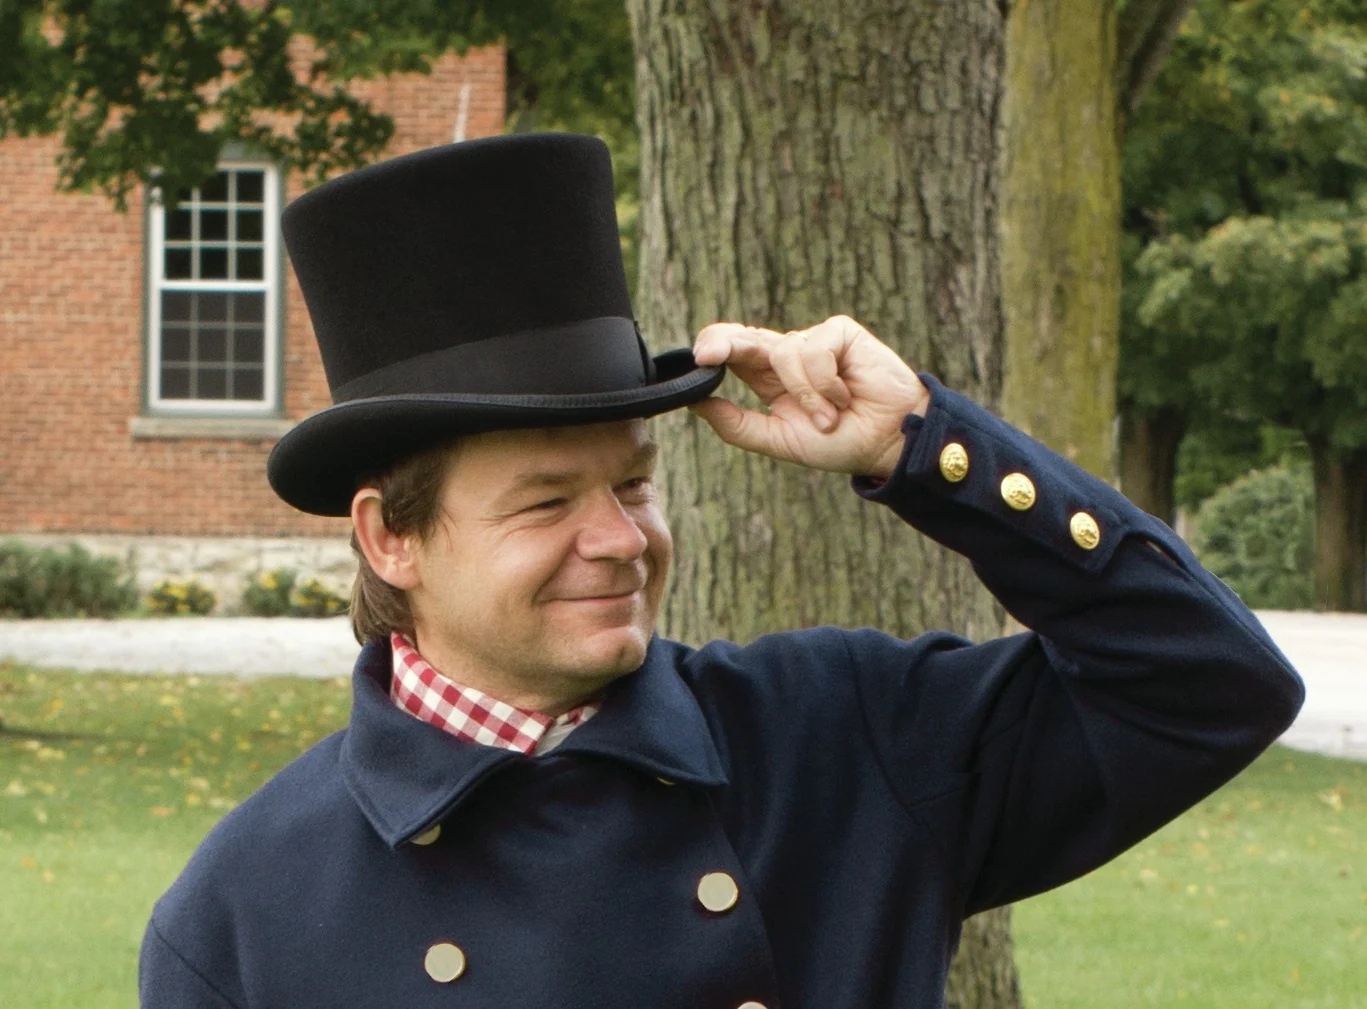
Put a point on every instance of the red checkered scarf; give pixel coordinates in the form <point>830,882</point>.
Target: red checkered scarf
<point>466,712</point>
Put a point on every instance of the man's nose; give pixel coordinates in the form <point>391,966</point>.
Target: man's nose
<point>609,531</point>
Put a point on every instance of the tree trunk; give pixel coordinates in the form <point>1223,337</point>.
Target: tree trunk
<point>1061,227</point>
<point>798,160</point>
<point>1340,528</point>
<point>1148,459</point>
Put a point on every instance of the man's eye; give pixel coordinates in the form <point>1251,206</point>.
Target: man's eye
<point>547,505</point>
<point>635,485</point>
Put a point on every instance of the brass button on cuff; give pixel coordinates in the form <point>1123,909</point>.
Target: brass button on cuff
<point>444,962</point>
<point>665,781</point>
<point>954,462</point>
<point>428,836</point>
<point>1086,533</point>
<point>718,892</point>
<point>1018,492</point>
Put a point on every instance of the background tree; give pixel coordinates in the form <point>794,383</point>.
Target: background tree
<point>1247,199</point>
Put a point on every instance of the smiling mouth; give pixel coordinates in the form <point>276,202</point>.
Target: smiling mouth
<point>602,599</point>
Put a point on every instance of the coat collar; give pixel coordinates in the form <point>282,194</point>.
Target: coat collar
<point>406,774</point>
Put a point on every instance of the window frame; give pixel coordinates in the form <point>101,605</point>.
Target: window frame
<point>271,283</point>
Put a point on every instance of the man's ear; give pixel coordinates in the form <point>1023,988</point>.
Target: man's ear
<point>391,556</point>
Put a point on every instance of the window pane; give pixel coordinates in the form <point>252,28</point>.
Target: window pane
<point>178,225</point>
<point>213,383</point>
<point>175,382</point>
<point>215,190</point>
<point>213,225</point>
<point>249,225</point>
<point>250,265</point>
<point>175,344</point>
<point>249,307</point>
<point>213,263</point>
<point>175,306</point>
<point>249,345</point>
<point>213,306</point>
<point>250,186</point>
<point>177,264</point>
<point>248,383</point>
<point>213,345</point>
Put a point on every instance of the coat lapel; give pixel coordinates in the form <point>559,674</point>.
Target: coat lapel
<point>405,774</point>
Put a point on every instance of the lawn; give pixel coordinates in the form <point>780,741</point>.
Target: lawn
<point>1257,898</point>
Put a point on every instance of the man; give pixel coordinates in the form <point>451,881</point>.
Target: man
<point>540,803</point>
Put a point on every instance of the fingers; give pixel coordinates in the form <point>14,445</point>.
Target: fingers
<point>804,364</point>
<point>745,429</point>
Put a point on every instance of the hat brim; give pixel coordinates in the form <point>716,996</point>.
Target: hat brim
<point>316,466</point>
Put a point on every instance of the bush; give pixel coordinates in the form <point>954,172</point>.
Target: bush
<point>1257,533</point>
<point>279,593</point>
<point>62,582</point>
<point>313,599</point>
<point>175,599</point>
<point>268,594</point>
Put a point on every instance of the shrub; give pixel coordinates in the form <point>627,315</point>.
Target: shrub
<point>279,593</point>
<point>313,599</point>
<point>268,594</point>
<point>1257,533</point>
<point>174,599</point>
<point>62,582</point>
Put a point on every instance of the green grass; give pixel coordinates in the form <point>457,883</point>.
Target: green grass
<point>1256,898</point>
<point>107,784</point>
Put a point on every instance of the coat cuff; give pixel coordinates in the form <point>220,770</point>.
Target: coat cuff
<point>957,465</point>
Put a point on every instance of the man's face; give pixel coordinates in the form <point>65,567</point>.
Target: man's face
<point>548,564</point>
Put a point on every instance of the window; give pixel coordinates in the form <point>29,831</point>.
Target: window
<point>213,287</point>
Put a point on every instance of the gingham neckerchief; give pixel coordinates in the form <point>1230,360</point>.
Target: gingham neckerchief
<point>470,714</point>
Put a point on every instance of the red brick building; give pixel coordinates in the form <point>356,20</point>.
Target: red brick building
<point>150,360</point>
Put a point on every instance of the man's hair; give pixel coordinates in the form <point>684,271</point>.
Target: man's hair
<point>410,502</point>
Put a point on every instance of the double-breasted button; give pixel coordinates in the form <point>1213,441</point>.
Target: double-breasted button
<point>954,462</point>
<point>1086,533</point>
<point>1018,491</point>
<point>718,892</point>
<point>428,836</point>
<point>665,781</point>
<point>751,1005</point>
<point>445,962</point>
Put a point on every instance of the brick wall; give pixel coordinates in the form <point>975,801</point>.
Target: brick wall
<point>72,334</point>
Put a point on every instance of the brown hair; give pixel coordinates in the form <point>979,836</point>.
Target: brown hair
<point>410,502</point>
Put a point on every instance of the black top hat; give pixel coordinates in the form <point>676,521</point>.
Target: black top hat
<point>461,289</point>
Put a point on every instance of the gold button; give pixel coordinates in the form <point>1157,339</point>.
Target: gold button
<point>751,1005</point>
<point>445,962</point>
<point>1018,491</point>
<point>954,462</point>
<point>718,892</point>
<point>1086,534</point>
<point>428,836</point>
<point>664,781</point>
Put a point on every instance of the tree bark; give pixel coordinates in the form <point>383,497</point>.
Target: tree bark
<point>1340,528</point>
<point>1148,459</point>
<point>1061,228</point>
<point>801,159</point>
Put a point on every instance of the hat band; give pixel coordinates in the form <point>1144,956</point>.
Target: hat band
<point>592,356</point>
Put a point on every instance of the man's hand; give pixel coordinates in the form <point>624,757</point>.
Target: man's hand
<point>836,395</point>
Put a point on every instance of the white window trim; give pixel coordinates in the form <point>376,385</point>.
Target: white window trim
<point>270,403</point>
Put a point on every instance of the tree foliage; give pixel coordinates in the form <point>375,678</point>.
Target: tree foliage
<point>156,89</point>
<point>1246,221</point>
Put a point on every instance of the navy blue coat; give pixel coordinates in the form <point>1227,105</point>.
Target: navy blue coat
<point>865,793</point>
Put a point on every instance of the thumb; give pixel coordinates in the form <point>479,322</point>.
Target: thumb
<point>745,429</point>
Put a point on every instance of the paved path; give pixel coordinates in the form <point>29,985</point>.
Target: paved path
<point>1329,649</point>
